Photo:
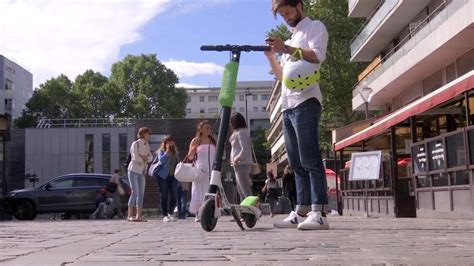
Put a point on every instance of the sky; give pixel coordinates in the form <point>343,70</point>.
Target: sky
<point>52,37</point>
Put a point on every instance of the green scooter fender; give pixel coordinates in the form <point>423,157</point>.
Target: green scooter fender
<point>252,201</point>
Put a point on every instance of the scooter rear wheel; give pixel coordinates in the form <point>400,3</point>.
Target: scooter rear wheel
<point>208,221</point>
<point>250,220</point>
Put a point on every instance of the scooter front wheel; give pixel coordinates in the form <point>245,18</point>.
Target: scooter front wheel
<point>208,221</point>
<point>250,219</point>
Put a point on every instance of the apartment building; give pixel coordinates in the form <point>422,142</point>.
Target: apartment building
<point>16,87</point>
<point>251,99</point>
<point>421,80</point>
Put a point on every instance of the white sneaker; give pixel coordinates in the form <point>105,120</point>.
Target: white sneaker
<point>314,221</point>
<point>168,218</point>
<point>291,221</point>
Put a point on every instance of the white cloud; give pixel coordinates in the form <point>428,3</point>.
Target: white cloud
<point>188,85</point>
<point>51,37</point>
<point>185,69</point>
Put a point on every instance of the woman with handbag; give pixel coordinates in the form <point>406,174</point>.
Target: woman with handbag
<point>168,158</point>
<point>140,157</point>
<point>241,154</point>
<point>202,150</point>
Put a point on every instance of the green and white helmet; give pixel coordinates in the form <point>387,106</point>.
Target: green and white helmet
<point>300,75</point>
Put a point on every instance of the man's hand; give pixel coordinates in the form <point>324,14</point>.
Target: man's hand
<point>277,45</point>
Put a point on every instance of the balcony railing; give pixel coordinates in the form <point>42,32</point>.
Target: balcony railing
<point>418,33</point>
<point>379,14</point>
<point>86,122</point>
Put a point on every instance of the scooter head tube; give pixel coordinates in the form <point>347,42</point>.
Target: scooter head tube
<point>229,82</point>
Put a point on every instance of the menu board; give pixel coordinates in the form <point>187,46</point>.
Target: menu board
<point>436,155</point>
<point>365,165</point>
<point>419,159</point>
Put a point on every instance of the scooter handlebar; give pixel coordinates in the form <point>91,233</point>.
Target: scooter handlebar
<point>229,47</point>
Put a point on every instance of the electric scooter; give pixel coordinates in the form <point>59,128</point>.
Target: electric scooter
<point>215,201</point>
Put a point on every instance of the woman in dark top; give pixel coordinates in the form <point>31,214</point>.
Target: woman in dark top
<point>289,185</point>
<point>168,184</point>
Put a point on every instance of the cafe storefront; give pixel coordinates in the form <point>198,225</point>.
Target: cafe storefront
<point>427,167</point>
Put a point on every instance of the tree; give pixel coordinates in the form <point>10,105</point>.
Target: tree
<point>281,32</point>
<point>139,87</point>
<point>95,97</point>
<point>147,88</point>
<point>51,100</point>
<point>338,74</point>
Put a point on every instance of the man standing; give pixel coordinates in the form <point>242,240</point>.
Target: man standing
<point>301,100</point>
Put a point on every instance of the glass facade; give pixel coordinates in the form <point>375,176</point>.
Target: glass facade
<point>106,155</point>
<point>89,153</point>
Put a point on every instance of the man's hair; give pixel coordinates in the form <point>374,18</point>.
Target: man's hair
<point>276,4</point>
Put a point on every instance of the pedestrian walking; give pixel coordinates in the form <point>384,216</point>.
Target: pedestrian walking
<point>241,154</point>
<point>140,157</point>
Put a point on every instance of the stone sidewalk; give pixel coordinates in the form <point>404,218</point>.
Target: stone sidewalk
<point>351,240</point>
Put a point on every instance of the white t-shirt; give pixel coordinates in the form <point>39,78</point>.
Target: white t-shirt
<point>308,34</point>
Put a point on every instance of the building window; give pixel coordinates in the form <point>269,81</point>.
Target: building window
<point>188,110</point>
<point>212,98</point>
<point>264,109</point>
<point>8,105</point>
<point>213,110</point>
<point>8,84</point>
<point>264,97</point>
<point>464,63</point>
<point>241,109</point>
<point>89,153</point>
<point>123,151</point>
<point>255,109</point>
<point>201,98</point>
<point>201,110</point>
<point>189,98</point>
<point>106,157</point>
<point>255,97</point>
<point>241,97</point>
<point>252,122</point>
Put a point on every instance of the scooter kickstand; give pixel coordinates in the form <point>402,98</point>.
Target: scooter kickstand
<point>237,219</point>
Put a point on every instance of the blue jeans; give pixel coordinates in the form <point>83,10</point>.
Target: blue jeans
<point>168,188</point>
<point>137,183</point>
<point>181,201</point>
<point>300,129</point>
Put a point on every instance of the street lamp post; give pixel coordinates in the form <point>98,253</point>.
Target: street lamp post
<point>366,95</point>
<point>247,93</point>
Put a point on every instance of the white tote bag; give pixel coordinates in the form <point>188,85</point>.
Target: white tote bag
<point>186,172</point>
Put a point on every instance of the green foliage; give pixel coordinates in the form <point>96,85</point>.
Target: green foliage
<point>281,32</point>
<point>138,87</point>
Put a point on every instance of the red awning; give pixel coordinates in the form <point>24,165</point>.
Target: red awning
<point>437,97</point>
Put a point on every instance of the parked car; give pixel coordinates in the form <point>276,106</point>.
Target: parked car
<point>73,194</point>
